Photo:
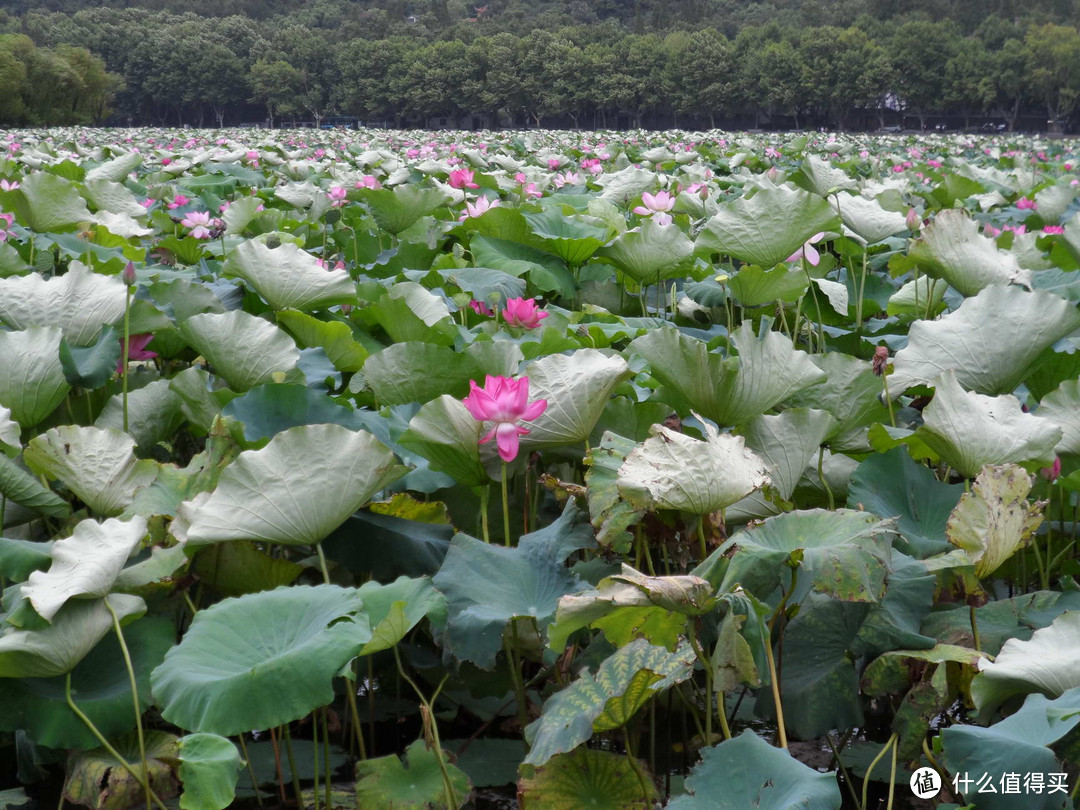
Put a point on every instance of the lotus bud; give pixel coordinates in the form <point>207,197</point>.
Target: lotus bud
<point>1052,472</point>
<point>913,221</point>
<point>881,360</point>
<point>128,276</point>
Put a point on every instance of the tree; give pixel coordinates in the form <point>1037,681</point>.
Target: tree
<point>1054,54</point>
<point>968,86</point>
<point>276,84</point>
<point>919,52</point>
<point>700,71</point>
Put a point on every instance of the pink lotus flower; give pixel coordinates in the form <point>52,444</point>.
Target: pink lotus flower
<point>554,163</point>
<point>199,222</point>
<point>504,401</point>
<point>568,179</point>
<point>808,251</point>
<point>656,206</point>
<point>368,181</point>
<point>6,186</point>
<point>462,178</point>
<point>478,208</point>
<point>1025,204</point>
<point>523,312</point>
<point>179,201</point>
<point>1052,472</point>
<point>8,218</point>
<point>912,220</point>
<point>991,231</point>
<point>1053,229</point>
<point>337,196</point>
<point>136,350</point>
<point>480,308</point>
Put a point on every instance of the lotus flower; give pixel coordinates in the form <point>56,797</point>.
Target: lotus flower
<point>504,401</point>
<point>1026,204</point>
<point>523,312</point>
<point>1052,472</point>
<point>337,196</point>
<point>480,308</point>
<point>808,251</point>
<point>1053,229</point>
<point>199,222</point>
<point>136,350</point>
<point>179,201</point>
<point>462,178</point>
<point>368,181</point>
<point>656,206</point>
<point>481,206</point>
<point>6,186</point>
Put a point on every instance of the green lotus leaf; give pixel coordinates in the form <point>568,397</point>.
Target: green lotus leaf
<point>260,660</point>
<point>208,770</point>
<point>526,581</point>
<point>586,778</point>
<point>952,248</point>
<point>86,564</point>
<point>155,413</point>
<point>572,238</point>
<point>673,470</point>
<point>240,213</point>
<point>850,393</point>
<point>397,608</point>
<point>625,184</point>
<point>843,553</point>
<point>52,203</point>
<point>969,431</point>
<point>893,485</point>
<point>19,558</point>
<point>650,253</point>
<point>606,700</point>
<point>546,272</point>
<point>754,286</point>
<point>484,284</point>
<point>656,607</point>
<point>116,169</point>
<point>787,444</point>
<point>98,780</point>
<point>1048,663</point>
<point>32,379</point>
<point>410,312</point>
<point>891,672</point>
<point>577,387</point>
<point>419,372</point>
<point>609,512</point>
<point>1019,744</point>
<point>823,178</point>
<point>729,391</point>
<point>242,348</point>
<point>397,208</point>
<point>1062,408</point>
<point>488,762</point>
<point>75,631</point>
<point>91,367</point>
<point>96,464</point>
<point>334,337</point>
<point>748,772</point>
<point>917,297</point>
<point>1000,620</point>
<point>80,302</point>
<point>768,227</point>
<point>10,431</point>
<point>295,491</point>
<point>995,518</point>
<point>100,687</point>
<point>991,341</point>
<point>868,219</point>
<point>288,277</point>
<point>387,783</point>
<point>446,434</point>
<point>19,486</point>
<point>110,197</point>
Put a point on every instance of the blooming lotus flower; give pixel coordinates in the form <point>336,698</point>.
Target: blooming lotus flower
<point>554,163</point>
<point>199,222</point>
<point>136,350</point>
<point>337,196</point>
<point>658,203</point>
<point>523,312</point>
<point>179,201</point>
<point>5,218</point>
<point>481,206</point>
<point>462,178</point>
<point>1053,229</point>
<point>6,186</point>
<point>480,308</point>
<point>505,402</point>
<point>568,179</point>
<point>1026,204</point>
<point>808,251</point>
<point>368,181</point>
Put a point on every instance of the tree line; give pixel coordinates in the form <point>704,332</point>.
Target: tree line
<point>383,64</point>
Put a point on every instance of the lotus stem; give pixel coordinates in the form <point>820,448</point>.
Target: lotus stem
<point>326,756</point>
<point>358,729</point>
<point>484,495</point>
<point>277,765</point>
<point>105,744</point>
<point>781,728</point>
<point>892,773</point>
<point>322,563</point>
<point>505,507</point>
<point>632,760</point>
<point>701,537</point>
<point>134,698</point>
<point>127,351</point>
<point>817,306</point>
<point>292,766</point>
<point>721,711</point>
<point>250,769</point>
<point>866,781</point>
<point>844,770</point>
<point>515,677</point>
<point>822,479</point>
<point>888,399</point>
<point>699,652</point>
<point>315,757</point>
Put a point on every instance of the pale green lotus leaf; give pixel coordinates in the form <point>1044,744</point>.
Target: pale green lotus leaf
<point>446,434</point>
<point>86,564</point>
<point>397,208</point>
<point>768,227</point>
<point>240,213</point>
<point>625,184</point>
<point>209,766</point>
<point>1048,662</point>
<point>288,277</point>
<point>1054,200</point>
<point>577,387</point>
<point>650,253</point>
<point>242,348</point>
<point>9,429</point>
<point>673,470</point>
<point>112,197</point>
<point>969,431</point>
<point>76,628</point>
<point>768,370</point>
<point>52,203</point>
<point>995,518</point>
<point>850,393</point>
<point>991,341</point>
<point>826,179</point>
<point>787,443</point>
<point>97,465</point>
<point>835,292</point>
<point>1062,407</point>
<point>868,219</point>
<point>80,302</point>
<point>116,169</point>
<point>155,413</point>
<point>952,248</point>
<point>917,297</point>
<point>294,491</point>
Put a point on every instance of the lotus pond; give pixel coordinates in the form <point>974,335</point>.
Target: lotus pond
<point>620,470</point>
